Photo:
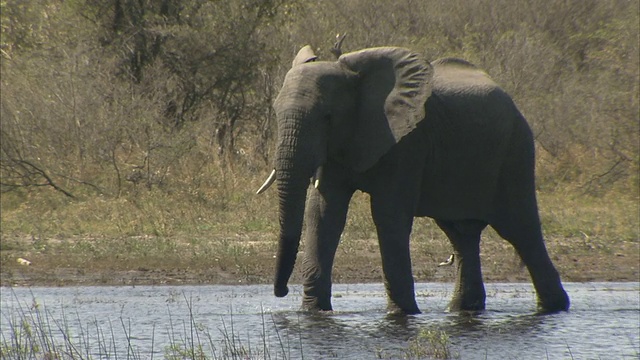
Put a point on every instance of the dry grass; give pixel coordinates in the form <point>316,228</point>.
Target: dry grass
<point>161,238</point>
<point>114,162</point>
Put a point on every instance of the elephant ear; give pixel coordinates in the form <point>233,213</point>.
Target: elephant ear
<point>394,84</point>
<point>305,55</point>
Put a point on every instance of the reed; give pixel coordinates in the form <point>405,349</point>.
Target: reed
<point>35,333</point>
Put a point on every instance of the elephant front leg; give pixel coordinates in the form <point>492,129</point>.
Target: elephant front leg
<point>469,293</point>
<point>394,230</point>
<point>326,217</point>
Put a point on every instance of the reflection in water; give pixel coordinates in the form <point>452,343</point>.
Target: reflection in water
<point>519,324</point>
<point>603,321</point>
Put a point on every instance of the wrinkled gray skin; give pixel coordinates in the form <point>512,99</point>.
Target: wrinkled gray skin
<point>440,140</point>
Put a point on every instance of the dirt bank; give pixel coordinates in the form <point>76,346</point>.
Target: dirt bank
<point>249,263</point>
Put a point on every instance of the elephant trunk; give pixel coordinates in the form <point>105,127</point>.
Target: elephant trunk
<point>293,171</point>
<point>291,201</point>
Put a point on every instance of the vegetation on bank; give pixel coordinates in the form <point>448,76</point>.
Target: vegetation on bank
<point>134,134</point>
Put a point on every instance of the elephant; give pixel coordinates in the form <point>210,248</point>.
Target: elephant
<point>438,139</point>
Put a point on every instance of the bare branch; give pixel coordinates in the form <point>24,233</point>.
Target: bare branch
<point>609,176</point>
<point>29,169</point>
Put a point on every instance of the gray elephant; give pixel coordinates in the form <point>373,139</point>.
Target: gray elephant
<point>440,140</point>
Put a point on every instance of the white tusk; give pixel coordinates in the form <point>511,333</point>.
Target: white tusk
<point>269,182</point>
<point>448,262</point>
<point>317,176</point>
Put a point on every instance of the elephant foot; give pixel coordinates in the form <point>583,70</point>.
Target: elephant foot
<point>409,309</point>
<point>400,312</point>
<point>466,304</point>
<point>550,305</point>
<point>315,310</point>
<point>314,304</point>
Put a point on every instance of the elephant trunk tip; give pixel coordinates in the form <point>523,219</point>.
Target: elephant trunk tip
<point>280,291</point>
<point>286,258</point>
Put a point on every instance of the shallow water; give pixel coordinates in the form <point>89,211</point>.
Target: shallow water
<point>147,321</point>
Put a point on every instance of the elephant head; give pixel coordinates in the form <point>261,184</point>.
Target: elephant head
<point>350,112</point>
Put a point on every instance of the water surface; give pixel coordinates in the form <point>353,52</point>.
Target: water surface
<point>152,321</point>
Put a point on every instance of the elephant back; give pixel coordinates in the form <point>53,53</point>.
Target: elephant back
<point>458,75</point>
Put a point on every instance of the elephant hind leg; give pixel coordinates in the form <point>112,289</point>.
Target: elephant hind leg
<point>527,240</point>
<point>469,293</point>
<point>516,219</point>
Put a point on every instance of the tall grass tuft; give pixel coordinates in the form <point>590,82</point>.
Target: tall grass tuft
<point>431,343</point>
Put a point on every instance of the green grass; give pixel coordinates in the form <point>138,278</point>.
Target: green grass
<point>614,217</point>
<point>431,343</point>
<point>427,344</point>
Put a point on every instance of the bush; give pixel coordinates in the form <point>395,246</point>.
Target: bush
<point>121,98</point>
